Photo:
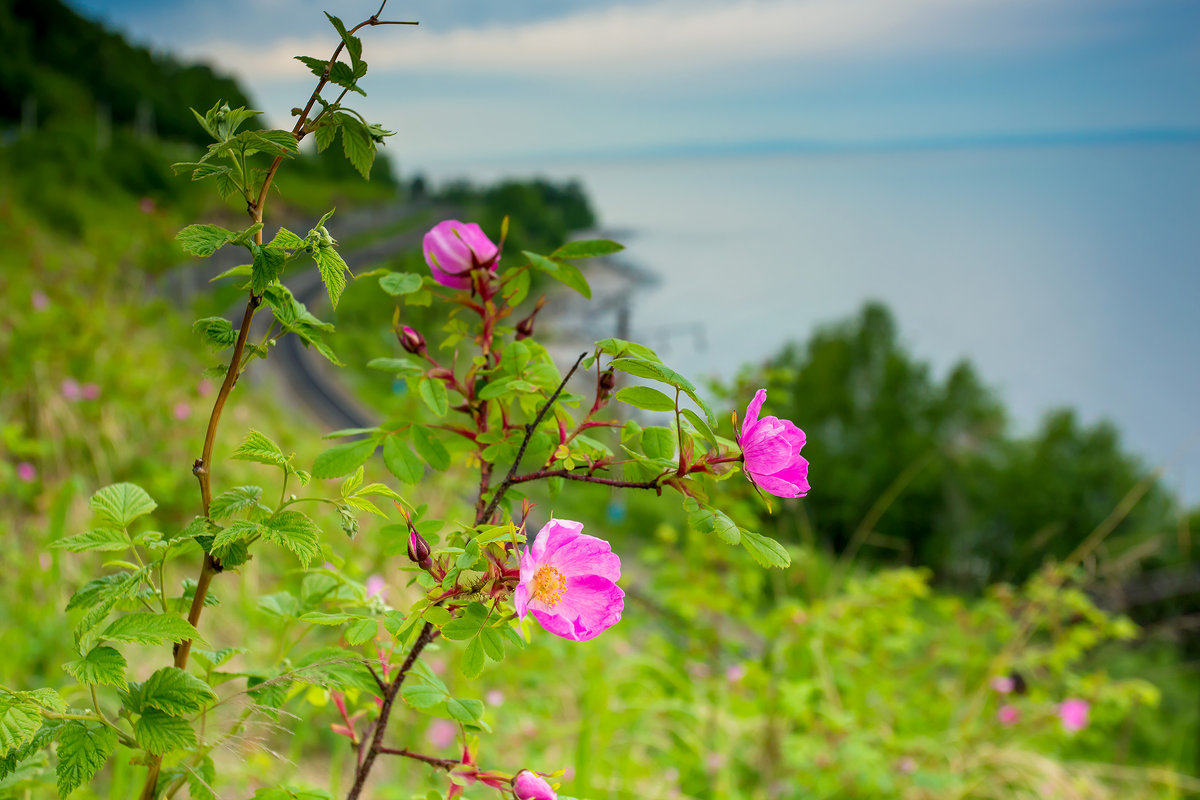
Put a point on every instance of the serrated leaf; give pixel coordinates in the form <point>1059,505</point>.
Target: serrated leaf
<point>97,590</point>
<point>358,146</point>
<point>472,660</point>
<point>562,271</point>
<point>362,631</point>
<point>200,780</point>
<point>400,283</point>
<point>493,643</point>
<point>333,271</point>
<point>464,709</point>
<point>433,392</point>
<point>102,665</point>
<point>121,503</point>
<point>422,695</point>
<point>430,449</point>
<point>204,240</point>
<point>645,397</point>
<point>82,751</point>
<point>176,692</point>
<point>588,248</point>
<point>259,448</point>
<point>317,65</point>
<point>103,539</point>
<point>217,332</point>
<point>285,238</point>
<point>268,263</point>
<point>20,719</point>
<point>296,532</point>
<point>402,461</point>
<point>161,733</point>
<point>236,500</point>
<point>146,628</point>
<point>326,134</point>
<point>343,459</point>
<point>766,551</point>
<point>658,442</point>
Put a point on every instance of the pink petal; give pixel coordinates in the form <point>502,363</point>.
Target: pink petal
<point>521,599</point>
<point>586,555</point>
<point>478,242</point>
<point>795,473</point>
<point>529,786</point>
<point>778,486</point>
<point>591,604</point>
<point>553,535</point>
<point>767,450</point>
<point>752,411</point>
<point>794,435</point>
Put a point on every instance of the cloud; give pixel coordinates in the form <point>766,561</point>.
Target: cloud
<point>680,37</point>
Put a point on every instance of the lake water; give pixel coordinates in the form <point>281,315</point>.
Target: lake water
<point>1069,275</point>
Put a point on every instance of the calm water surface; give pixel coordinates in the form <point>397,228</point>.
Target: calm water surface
<point>1068,275</point>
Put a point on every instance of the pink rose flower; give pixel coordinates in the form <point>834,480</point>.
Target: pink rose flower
<point>1008,715</point>
<point>452,249</point>
<point>1074,714</point>
<point>771,451</point>
<point>569,582</point>
<point>26,472</point>
<point>529,786</point>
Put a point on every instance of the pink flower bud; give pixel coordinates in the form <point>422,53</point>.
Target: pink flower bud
<point>529,786</point>
<point>525,326</point>
<point>412,341</point>
<point>26,472</point>
<point>418,549</point>
<point>608,382</point>
<point>453,249</point>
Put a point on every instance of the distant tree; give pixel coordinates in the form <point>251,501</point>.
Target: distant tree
<point>970,500</point>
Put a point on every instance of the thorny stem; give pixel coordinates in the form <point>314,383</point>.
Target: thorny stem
<point>585,478</point>
<point>441,763</point>
<point>530,429</point>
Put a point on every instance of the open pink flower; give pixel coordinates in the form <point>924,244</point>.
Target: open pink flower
<point>569,582</point>
<point>771,450</point>
<point>452,249</point>
<point>530,786</point>
<point>1074,714</point>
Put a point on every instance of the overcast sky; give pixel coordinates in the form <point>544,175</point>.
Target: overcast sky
<point>483,78</point>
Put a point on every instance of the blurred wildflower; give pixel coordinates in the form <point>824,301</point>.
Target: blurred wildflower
<point>441,733</point>
<point>71,390</point>
<point>907,765</point>
<point>771,451</point>
<point>494,698</point>
<point>569,582</point>
<point>376,587</point>
<point>147,205</point>
<point>204,387</point>
<point>529,786</point>
<point>182,411</point>
<point>1008,715</point>
<point>1073,713</point>
<point>39,300</point>
<point>735,673</point>
<point>26,472</point>
<point>1003,684</point>
<point>91,391</point>
<point>452,249</point>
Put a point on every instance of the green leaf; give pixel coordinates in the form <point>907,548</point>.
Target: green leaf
<point>236,500</point>
<point>563,271</point>
<point>121,503</point>
<point>258,448</point>
<point>398,283</point>
<point>82,751</point>
<point>645,397</point>
<point>422,695</point>
<point>700,425</point>
<point>333,271</point>
<point>766,551</point>
<point>104,539</point>
<point>343,459</point>
<point>296,532</point>
<point>430,449</point>
<point>402,461</point>
<point>268,263</point>
<point>146,628</point>
<point>654,370</point>
<point>464,709</point>
<point>176,692</point>
<point>161,733</point>
<point>587,248</point>
<point>287,239</point>
<point>472,660</point>
<point>433,392</point>
<point>493,643</point>
<point>200,780</point>
<point>658,442</point>
<point>204,240</point>
<point>404,367</point>
<point>725,528</point>
<point>102,665</point>
<point>327,133</point>
<point>362,631</point>
<point>217,332</point>
<point>20,719</point>
<point>317,65</point>
<point>358,146</point>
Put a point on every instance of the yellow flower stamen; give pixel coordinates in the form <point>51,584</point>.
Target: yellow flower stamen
<point>549,585</point>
